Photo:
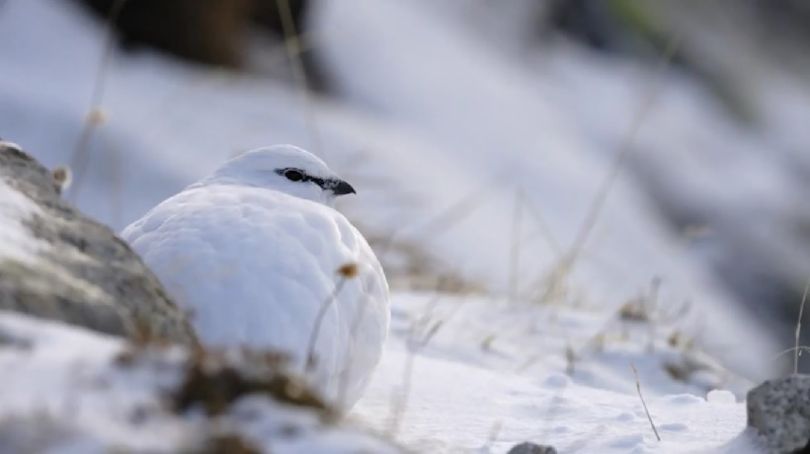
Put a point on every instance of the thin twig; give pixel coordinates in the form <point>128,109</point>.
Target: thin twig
<point>542,227</point>
<point>401,403</point>
<point>790,350</point>
<point>414,345</point>
<point>494,432</point>
<point>514,255</point>
<point>292,43</point>
<point>569,259</point>
<point>343,379</point>
<point>625,149</point>
<point>643,403</point>
<point>94,114</point>
<point>798,351</point>
<point>313,337</point>
<point>444,220</point>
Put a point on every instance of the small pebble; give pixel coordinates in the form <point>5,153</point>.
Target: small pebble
<point>721,396</point>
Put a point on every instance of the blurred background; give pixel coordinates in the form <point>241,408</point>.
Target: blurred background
<point>553,152</point>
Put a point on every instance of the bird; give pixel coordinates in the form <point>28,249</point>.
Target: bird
<point>259,258</point>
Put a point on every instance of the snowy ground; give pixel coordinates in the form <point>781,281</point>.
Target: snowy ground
<point>14,207</point>
<point>486,375</point>
<point>462,163</point>
<point>449,382</point>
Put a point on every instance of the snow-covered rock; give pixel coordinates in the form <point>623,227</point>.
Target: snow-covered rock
<point>59,264</point>
<point>779,410</point>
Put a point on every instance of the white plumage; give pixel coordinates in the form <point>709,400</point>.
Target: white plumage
<point>253,252</point>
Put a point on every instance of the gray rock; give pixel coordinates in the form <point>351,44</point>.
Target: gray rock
<point>84,274</point>
<point>42,432</point>
<point>528,447</point>
<point>779,410</point>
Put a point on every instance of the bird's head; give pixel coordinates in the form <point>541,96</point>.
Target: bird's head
<point>285,168</point>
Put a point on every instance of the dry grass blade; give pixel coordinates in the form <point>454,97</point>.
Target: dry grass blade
<point>95,115</point>
<point>444,220</point>
<point>401,402</point>
<point>542,227</point>
<point>514,254</point>
<point>784,352</point>
<point>643,403</point>
<point>798,352</point>
<point>292,43</point>
<point>494,433</point>
<point>414,343</point>
<point>343,379</point>
<point>311,361</point>
<point>625,149</point>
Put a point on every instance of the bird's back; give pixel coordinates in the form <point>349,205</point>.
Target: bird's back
<point>254,266</point>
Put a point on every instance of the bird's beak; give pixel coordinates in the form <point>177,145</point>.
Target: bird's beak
<point>343,188</point>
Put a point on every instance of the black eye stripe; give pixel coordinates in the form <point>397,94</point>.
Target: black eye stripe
<point>298,175</point>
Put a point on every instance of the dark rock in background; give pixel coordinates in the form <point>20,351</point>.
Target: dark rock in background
<point>779,410</point>
<point>528,447</point>
<point>39,433</point>
<point>213,32</point>
<point>85,275</point>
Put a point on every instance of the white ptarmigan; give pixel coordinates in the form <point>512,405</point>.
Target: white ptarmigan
<point>252,252</point>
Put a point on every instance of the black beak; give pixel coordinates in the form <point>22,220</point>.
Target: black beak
<point>343,188</point>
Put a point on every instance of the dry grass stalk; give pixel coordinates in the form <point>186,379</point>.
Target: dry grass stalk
<point>798,351</point>
<point>311,360</point>
<point>542,227</point>
<point>643,403</point>
<point>569,259</point>
<point>95,114</point>
<point>514,254</point>
<point>400,402</point>
<point>293,46</point>
<point>625,149</point>
<point>343,379</point>
<point>419,335</point>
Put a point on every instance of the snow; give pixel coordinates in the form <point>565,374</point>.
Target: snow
<point>441,133</point>
<point>62,373</point>
<point>464,396</point>
<point>15,208</point>
<point>81,392</point>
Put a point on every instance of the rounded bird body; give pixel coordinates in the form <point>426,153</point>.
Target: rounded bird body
<point>253,253</point>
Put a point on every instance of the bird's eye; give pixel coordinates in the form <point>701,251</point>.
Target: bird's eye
<point>294,175</point>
